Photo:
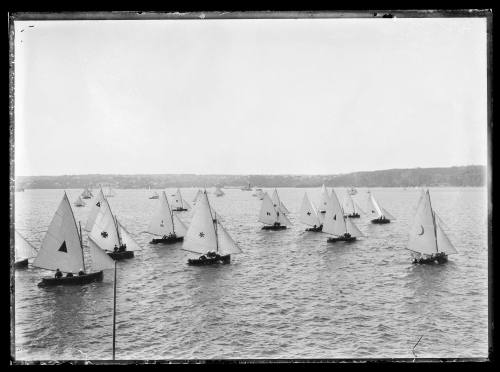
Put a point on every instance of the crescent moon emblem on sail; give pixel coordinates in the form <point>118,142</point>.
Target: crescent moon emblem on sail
<point>422,232</point>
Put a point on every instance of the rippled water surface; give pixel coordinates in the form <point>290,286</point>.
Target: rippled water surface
<point>290,294</point>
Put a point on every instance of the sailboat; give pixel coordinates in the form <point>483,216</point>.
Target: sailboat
<point>165,224</point>
<point>337,224</point>
<point>379,215</point>
<point>62,251</point>
<point>259,194</point>
<point>79,202</point>
<point>271,216</point>
<point>86,194</point>
<point>178,203</point>
<point>108,234</point>
<point>351,208</point>
<point>309,215</point>
<point>23,251</point>
<point>352,191</point>
<point>323,203</point>
<point>278,203</point>
<point>96,207</point>
<point>218,191</point>
<point>427,239</point>
<point>207,236</point>
<point>155,194</point>
<point>246,188</point>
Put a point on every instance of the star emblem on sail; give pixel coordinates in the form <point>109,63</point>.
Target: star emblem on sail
<point>308,213</point>
<point>341,225</point>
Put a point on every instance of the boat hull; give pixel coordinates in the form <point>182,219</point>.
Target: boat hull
<point>341,239</point>
<point>75,280</point>
<point>380,221</point>
<point>21,264</point>
<point>180,209</point>
<point>121,255</point>
<point>272,227</point>
<point>353,215</point>
<point>315,229</point>
<point>167,241</point>
<point>439,259</point>
<point>85,197</point>
<point>154,197</point>
<point>210,261</point>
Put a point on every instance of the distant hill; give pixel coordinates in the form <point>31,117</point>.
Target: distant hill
<point>472,175</point>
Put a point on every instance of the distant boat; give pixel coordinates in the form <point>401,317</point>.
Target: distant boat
<point>309,215</point>
<point>271,216</point>
<point>278,203</point>
<point>79,202</point>
<point>259,194</point>
<point>178,203</point>
<point>218,191</point>
<point>323,203</point>
<point>427,239</point>
<point>336,224</point>
<point>87,194</point>
<point>246,188</point>
<point>23,251</point>
<point>351,208</point>
<point>110,235</point>
<point>352,191</point>
<point>198,194</point>
<point>154,195</point>
<point>378,214</point>
<point>207,236</point>
<point>166,225</point>
<point>62,249</point>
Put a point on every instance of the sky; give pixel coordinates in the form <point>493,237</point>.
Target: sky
<point>249,96</point>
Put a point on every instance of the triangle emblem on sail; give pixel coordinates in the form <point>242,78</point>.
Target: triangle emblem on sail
<point>63,248</point>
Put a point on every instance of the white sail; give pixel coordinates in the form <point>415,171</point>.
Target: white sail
<point>22,249</point>
<point>387,214</point>
<point>278,204</point>
<point>443,242</point>
<point>96,207</point>
<point>127,239</point>
<point>373,207</point>
<point>334,222</point>
<point>201,237</point>
<point>79,202</point>
<point>86,193</point>
<point>268,213</point>
<point>61,247</point>
<point>283,219</point>
<point>180,226</point>
<point>105,232</point>
<point>308,214</point>
<point>197,196</point>
<point>353,229</point>
<point>323,203</point>
<point>226,244</point>
<point>260,194</point>
<point>100,259</point>
<point>422,236</point>
<point>218,191</point>
<point>348,204</point>
<point>162,222</point>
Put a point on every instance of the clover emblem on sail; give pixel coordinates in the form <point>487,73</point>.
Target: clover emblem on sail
<point>104,234</point>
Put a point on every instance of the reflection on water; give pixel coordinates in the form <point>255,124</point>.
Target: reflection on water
<point>290,294</point>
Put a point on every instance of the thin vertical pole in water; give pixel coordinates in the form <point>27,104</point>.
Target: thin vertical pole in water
<point>114,313</point>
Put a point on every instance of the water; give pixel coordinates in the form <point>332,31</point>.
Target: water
<point>290,294</point>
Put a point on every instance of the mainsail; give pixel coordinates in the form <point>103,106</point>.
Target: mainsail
<point>94,211</point>
<point>334,222</point>
<point>105,230</point>
<point>268,212</point>
<point>226,244</point>
<point>323,203</point>
<point>100,259</point>
<point>197,196</point>
<point>375,210</point>
<point>278,204</point>
<point>79,202</point>
<point>349,206</point>
<point>22,249</point>
<point>162,222</point>
<point>422,237</point>
<point>201,236</point>
<point>308,214</point>
<point>61,247</point>
<point>178,202</point>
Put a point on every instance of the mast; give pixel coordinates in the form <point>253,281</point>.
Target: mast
<point>81,245</point>
<point>214,223</point>
<point>114,314</point>
<point>433,222</point>
<point>115,219</point>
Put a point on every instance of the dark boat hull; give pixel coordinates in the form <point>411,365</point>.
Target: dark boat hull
<point>180,210</point>
<point>341,239</point>
<point>74,280</point>
<point>153,197</point>
<point>21,264</point>
<point>85,197</point>
<point>431,260</point>
<point>121,255</point>
<point>315,229</point>
<point>167,241</point>
<point>381,221</point>
<point>353,215</point>
<point>272,227</point>
<point>210,261</point>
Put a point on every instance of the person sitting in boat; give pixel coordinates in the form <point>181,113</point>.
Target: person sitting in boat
<point>58,274</point>
<point>123,248</point>
<point>115,248</point>
<point>347,235</point>
<point>69,275</point>
<point>211,254</point>
<point>81,272</point>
